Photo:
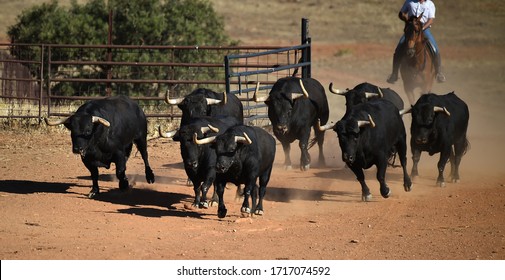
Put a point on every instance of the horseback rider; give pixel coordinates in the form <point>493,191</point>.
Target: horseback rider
<point>426,8</point>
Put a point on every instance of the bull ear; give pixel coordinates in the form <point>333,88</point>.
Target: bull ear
<point>243,139</point>
<point>370,122</point>
<point>100,120</point>
<point>175,101</point>
<point>437,109</point>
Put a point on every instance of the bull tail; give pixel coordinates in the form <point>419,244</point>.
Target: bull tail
<point>467,146</point>
<point>312,142</point>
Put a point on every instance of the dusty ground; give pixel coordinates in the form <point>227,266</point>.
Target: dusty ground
<point>308,215</point>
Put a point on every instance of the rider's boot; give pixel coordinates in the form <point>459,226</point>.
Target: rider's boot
<point>440,75</point>
<point>396,66</point>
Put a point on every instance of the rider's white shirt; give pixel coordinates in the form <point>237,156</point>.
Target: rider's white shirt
<point>415,8</point>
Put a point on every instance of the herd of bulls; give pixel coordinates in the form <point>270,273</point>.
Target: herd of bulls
<point>217,147</point>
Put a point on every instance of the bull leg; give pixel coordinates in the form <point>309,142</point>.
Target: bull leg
<point>141,144</point>
<point>320,142</point>
<point>121,171</point>
<point>196,189</point>
<point>263,180</point>
<point>249,190</point>
<point>221,209</point>
<point>286,147</point>
<point>444,157</point>
<point>360,176</point>
<point>459,150</point>
<point>402,154</point>
<point>381,177</point>
<point>211,175</point>
<point>94,178</point>
<point>305,156</point>
<point>416,156</point>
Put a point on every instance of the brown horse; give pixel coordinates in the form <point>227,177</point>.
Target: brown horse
<point>417,67</point>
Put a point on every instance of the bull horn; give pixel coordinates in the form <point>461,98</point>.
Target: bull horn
<point>324,127</point>
<point>441,109</point>
<point>175,101</point>
<point>405,111</point>
<point>365,123</point>
<point>103,121</point>
<point>213,101</point>
<point>369,95</point>
<point>305,93</point>
<point>336,91</point>
<point>255,96</point>
<point>243,139</point>
<point>208,128</point>
<point>381,95</point>
<point>55,122</point>
<point>169,134</point>
<point>203,141</point>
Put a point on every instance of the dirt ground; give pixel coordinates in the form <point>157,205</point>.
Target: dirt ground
<point>317,214</point>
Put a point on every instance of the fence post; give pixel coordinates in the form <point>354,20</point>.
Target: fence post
<point>306,71</point>
<point>227,73</point>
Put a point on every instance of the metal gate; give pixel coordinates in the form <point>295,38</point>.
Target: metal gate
<point>38,80</point>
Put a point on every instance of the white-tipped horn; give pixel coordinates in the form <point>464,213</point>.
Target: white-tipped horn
<point>336,91</point>
<point>305,93</point>
<point>255,96</point>
<point>208,128</point>
<point>101,120</point>
<point>324,127</point>
<point>405,111</point>
<point>441,109</point>
<point>55,122</point>
<point>370,122</point>
<point>243,139</point>
<point>225,97</point>
<point>213,101</point>
<point>369,95</point>
<point>168,134</point>
<point>174,101</point>
<point>381,95</point>
<point>203,141</point>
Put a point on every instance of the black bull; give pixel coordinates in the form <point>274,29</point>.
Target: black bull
<point>294,106</point>
<point>245,154</point>
<point>199,158</point>
<point>103,132</point>
<point>439,123</point>
<point>205,102</point>
<point>368,135</point>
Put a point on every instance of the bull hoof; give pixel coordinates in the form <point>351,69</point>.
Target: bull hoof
<point>408,188</point>
<point>124,185</point>
<point>221,212</point>
<point>214,203</point>
<point>305,167</point>
<point>245,210</point>
<point>92,194</point>
<point>259,212</point>
<point>204,205</point>
<point>149,176</point>
<point>386,195</point>
<point>288,167</point>
<point>366,198</point>
<point>455,180</point>
<point>441,184</point>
